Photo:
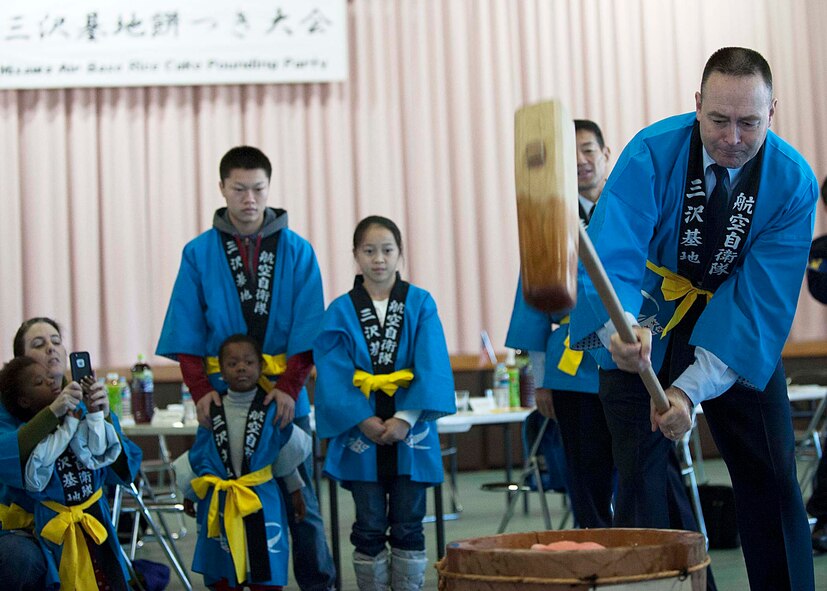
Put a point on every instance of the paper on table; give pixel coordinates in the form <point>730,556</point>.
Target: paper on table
<point>481,404</point>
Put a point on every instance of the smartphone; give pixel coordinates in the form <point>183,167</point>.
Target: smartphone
<point>81,366</point>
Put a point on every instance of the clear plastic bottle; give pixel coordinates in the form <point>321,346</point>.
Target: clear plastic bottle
<point>113,392</point>
<point>189,405</point>
<point>143,389</point>
<point>501,386</point>
<point>126,401</point>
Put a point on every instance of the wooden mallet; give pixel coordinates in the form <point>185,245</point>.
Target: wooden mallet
<point>550,231</point>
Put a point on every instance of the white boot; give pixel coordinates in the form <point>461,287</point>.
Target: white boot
<point>408,569</point>
<point>371,571</point>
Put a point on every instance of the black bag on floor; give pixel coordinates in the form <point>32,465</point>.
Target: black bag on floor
<point>718,505</point>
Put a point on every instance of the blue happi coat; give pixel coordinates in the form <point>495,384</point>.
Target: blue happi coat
<point>11,486</point>
<point>204,308</point>
<point>54,492</point>
<point>532,330</point>
<point>638,217</point>
<point>212,555</point>
<point>341,349</point>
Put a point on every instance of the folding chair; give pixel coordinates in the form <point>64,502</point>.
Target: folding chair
<point>544,469</point>
<point>808,447</point>
<point>164,488</point>
<point>143,509</point>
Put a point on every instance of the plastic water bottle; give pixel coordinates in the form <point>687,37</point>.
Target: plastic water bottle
<point>189,405</point>
<point>143,390</point>
<point>113,392</point>
<point>126,401</point>
<point>501,386</point>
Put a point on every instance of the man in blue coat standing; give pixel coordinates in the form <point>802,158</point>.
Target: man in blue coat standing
<point>710,214</point>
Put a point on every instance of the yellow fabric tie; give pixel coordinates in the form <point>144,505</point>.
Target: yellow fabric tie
<point>570,360</point>
<point>387,382</point>
<point>76,571</point>
<point>240,501</point>
<point>15,517</point>
<point>674,287</point>
<point>272,365</point>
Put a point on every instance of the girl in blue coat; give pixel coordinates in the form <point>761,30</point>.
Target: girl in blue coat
<point>384,377</point>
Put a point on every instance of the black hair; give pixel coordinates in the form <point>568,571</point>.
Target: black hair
<point>737,61</point>
<point>246,158</point>
<point>239,338</point>
<point>376,220</point>
<point>589,125</point>
<point>12,386</point>
<point>19,346</point>
<point>824,191</point>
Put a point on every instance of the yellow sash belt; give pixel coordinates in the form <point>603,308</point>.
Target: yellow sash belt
<point>15,517</point>
<point>675,287</point>
<point>273,365</point>
<point>75,569</point>
<point>570,360</point>
<point>240,501</point>
<point>387,382</point>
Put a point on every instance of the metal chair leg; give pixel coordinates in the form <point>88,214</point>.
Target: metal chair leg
<point>440,524</point>
<point>688,471</point>
<point>133,535</point>
<point>530,467</point>
<point>509,511</point>
<point>117,502</point>
<point>700,471</point>
<point>135,583</point>
<point>166,542</point>
<point>335,545</point>
<point>542,492</point>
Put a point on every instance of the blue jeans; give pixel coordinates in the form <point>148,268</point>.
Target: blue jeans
<point>22,565</point>
<point>398,506</point>
<point>312,561</point>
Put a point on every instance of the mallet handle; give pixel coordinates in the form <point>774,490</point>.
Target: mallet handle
<point>609,298</point>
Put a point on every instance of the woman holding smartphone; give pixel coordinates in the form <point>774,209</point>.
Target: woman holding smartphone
<point>23,564</point>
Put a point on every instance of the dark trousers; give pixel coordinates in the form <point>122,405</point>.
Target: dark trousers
<point>588,447</point>
<point>753,432</point>
<point>650,492</point>
<point>312,561</point>
<point>650,489</point>
<point>22,565</point>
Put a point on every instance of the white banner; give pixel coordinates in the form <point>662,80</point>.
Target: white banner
<point>81,43</point>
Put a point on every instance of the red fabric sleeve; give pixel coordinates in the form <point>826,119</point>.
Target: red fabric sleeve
<point>195,376</point>
<point>294,377</point>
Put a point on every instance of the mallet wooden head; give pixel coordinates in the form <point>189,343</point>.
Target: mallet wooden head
<point>545,170</point>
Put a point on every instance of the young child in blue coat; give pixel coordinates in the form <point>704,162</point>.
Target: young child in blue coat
<point>231,472</point>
